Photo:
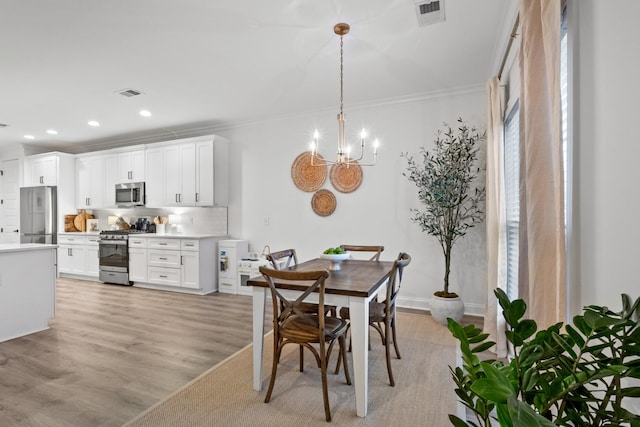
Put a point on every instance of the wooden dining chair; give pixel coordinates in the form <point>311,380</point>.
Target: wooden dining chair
<point>288,258</point>
<point>382,315</point>
<point>289,255</point>
<point>292,325</point>
<point>377,250</point>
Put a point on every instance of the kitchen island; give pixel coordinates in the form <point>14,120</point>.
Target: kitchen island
<point>27,288</point>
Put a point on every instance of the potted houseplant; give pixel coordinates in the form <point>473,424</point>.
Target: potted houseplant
<point>452,198</point>
<point>580,374</point>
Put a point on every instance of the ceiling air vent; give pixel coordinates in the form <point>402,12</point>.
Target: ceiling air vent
<point>129,92</point>
<point>430,12</point>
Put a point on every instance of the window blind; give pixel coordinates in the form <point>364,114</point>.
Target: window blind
<point>512,197</point>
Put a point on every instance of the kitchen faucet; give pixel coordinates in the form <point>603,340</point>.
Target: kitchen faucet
<point>266,250</point>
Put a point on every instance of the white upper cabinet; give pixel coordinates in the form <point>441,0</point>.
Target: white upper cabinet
<point>54,169</point>
<point>90,187</point>
<point>110,179</point>
<point>212,181</point>
<point>155,182</point>
<point>131,166</point>
<point>180,174</point>
<point>188,173</point>
<point>41,170</point>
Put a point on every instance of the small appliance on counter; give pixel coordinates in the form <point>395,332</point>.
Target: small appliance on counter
<point>143,224</point>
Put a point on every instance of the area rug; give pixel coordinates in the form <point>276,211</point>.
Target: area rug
<point>223,396</point>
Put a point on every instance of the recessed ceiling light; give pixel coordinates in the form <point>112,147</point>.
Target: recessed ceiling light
<point>29,137</point>
<point>52,132</point>
<point>145,113</point>
<point>93,123</point>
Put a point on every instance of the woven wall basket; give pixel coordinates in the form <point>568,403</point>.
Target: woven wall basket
<point>323,202</point>
<point>306,176</point>
<point>346,178</point>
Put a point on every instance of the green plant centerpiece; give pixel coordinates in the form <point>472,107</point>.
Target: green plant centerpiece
<point>452,196</point>
<point>582,376</point>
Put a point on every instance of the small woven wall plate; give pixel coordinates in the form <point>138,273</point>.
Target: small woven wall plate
<point>323,202</point>
<point>306,176</point>
<point>346,178</point>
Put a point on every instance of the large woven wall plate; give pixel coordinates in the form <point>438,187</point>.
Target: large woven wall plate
<point>346,178</point>
<point>306,176</point>
<point>323,202</point>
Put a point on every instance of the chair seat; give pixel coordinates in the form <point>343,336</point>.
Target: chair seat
<point>295,329</point>
<point>376,312</point>
<point>309,307</point>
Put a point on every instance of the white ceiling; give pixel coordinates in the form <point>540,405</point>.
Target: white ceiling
<point>202,64</point>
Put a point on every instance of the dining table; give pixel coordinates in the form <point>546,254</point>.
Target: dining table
<point>354,285</point>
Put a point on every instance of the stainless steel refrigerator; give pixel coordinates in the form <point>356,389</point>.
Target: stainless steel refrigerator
<point>38,216</point>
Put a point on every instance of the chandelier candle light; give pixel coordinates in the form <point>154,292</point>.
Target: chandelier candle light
<point>344,151</point>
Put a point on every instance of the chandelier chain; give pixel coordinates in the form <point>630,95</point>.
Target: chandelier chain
<point>341,73</point>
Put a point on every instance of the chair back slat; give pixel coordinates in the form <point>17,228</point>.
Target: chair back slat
<point>284,307</point>
<point>365,248</point>
<point>289,254</point>
<point>395,278</point>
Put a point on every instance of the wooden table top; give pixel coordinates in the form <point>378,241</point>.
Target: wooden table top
<point>355,278</point>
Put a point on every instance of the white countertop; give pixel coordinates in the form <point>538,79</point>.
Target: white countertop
<point>158,236</point>
<point>21,247</point>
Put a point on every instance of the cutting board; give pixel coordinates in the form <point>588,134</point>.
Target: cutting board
<point>69,225</point>
<point>80,221</point>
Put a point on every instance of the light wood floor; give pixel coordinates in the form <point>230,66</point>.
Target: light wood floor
<point>113,351</point>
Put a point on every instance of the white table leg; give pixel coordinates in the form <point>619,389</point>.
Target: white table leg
<point>359,314</point>
<point>259,297</point>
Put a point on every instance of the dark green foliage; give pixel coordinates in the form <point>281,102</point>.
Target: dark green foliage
<point>444,179</point>
<point>574,377</point>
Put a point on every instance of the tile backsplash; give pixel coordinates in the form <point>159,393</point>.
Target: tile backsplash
<point>195,220</point>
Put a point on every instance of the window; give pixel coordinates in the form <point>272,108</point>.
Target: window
<point>512,197</point>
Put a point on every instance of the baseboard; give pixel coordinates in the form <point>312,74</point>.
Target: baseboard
<point>470,309</point>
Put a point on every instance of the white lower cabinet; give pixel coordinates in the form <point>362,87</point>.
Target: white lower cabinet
<point>163,262</point>
<point>78,255</point>
<point>190,268</point>
<point>138,259</point>
<point>183,264</point>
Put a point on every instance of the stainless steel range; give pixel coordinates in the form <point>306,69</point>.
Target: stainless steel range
<point>113,256</point>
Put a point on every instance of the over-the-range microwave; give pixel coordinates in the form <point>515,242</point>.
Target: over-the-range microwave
<point>130,194</point>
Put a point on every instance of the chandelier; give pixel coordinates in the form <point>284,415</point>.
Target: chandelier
<point>344,151</point>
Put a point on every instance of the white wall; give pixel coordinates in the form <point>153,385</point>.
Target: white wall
<point>607,150</point>
<point>376,213</point>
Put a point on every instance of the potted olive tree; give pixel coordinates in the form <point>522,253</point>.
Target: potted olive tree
<point>453,200</point>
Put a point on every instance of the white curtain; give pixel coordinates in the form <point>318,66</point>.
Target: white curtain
<point>494,323</point>
<point>542,278</point>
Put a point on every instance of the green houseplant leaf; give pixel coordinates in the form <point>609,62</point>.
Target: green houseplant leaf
<point>570,377</point>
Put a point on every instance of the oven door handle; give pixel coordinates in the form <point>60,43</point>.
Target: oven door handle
<point>112,242</point>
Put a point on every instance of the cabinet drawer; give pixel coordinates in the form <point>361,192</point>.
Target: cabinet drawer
<point>92,240</point>
<point>164,276</point>
<point>138,242</point>
<point>65,239</point>
<point>190,245</point>
<point>161,258</point>
<point>164,243</point>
